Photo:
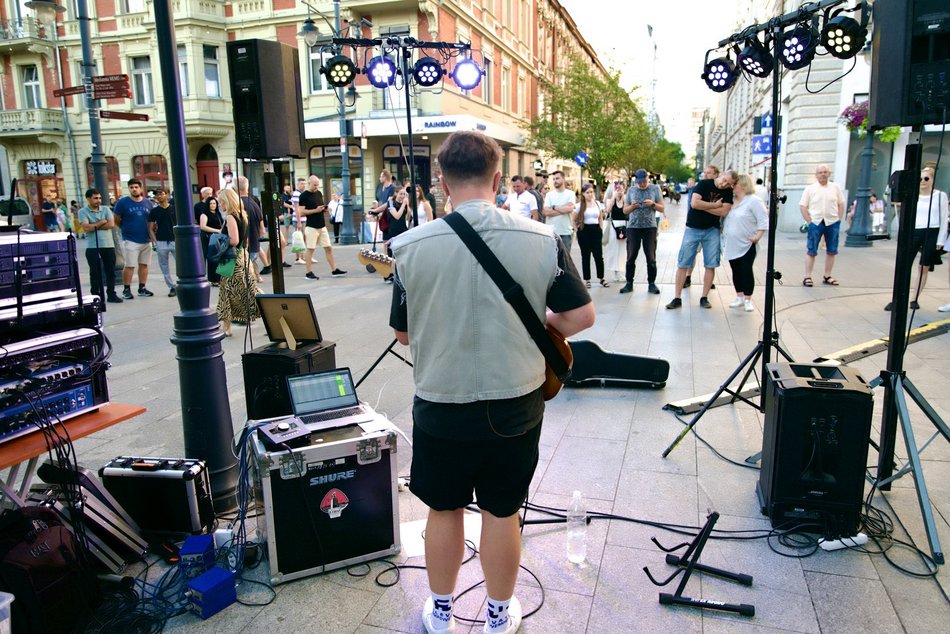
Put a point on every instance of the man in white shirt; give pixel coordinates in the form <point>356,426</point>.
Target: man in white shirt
<point>520,200</point>
<point>559,204</point>
<point>822,206</point>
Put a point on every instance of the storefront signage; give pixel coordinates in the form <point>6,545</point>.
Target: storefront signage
<point>41,168</point>
<point>440,124</point>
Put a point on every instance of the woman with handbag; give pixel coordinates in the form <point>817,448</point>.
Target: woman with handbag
<point>209,222</point>
<point>236,300</point>
<point>615,254</point>
<point>588,222</point>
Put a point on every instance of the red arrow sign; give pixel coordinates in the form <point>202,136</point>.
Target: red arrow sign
<point>128,116</point>
<point>109,79</point>
<point>71,90</point>
<point>112,85</point>
<point>117,94</point>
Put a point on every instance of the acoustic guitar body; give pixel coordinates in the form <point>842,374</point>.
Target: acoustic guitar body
<point>594,366</point>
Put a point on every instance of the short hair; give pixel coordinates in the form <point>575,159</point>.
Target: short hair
<point>517,179</point>
<point>745,182</point>
<point>731,173</point>
<point>92,191</point>
<point>529,181</point>
<point>556,172</point>
<point>207,189</point>
<point>469,156</point>
<point>134,181</point>
<point>242,183</point>
<point>387,174</point>
<point>714,168</point>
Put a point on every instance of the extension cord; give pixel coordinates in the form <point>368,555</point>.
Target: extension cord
<point>848,542</point>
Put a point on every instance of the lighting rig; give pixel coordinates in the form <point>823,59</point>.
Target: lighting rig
<point>382,71</point>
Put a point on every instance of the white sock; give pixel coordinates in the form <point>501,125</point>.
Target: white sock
<point>442,612</point>
<point>497,616</point>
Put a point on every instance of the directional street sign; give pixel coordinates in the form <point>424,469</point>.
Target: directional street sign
<point>71,90</point>
<point>111,87</point>
<point>581,158</point>
<point>128,116</point>
<point>109,79</point>
<point>111,94</point>
<point>762,143</point>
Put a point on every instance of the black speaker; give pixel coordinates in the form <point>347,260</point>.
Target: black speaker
<point>815,446</point>
<point>265,93</point>
<point>266,370</point>
<point>910,73</point>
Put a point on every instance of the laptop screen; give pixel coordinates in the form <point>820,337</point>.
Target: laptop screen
<point>321,391</point>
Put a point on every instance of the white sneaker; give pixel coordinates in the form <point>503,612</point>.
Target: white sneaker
<point>514,618</point>
<point>430,623</point>
<point>944,309</point>
<point>315,260</point>
<point>736,303</point>
<point>299,261</point>
<point>748,306</point>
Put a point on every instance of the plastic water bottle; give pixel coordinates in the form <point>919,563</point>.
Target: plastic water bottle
<point>576,530</point>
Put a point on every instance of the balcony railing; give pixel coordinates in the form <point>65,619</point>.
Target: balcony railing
<point>37,120</point>
<point>23,29</point>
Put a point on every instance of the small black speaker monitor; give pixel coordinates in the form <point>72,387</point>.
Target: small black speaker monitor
<point>815,446</point>
<point>910,72</point>
<point>266,370</point>
<point>265,92</point>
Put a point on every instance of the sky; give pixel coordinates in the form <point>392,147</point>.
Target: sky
<point>682,31</point>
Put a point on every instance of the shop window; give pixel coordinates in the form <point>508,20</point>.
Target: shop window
<point>152,170</point>
<point>326,163</point>
<point>38,178</point>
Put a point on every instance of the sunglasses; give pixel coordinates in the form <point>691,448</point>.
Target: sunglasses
<point>925,179</point>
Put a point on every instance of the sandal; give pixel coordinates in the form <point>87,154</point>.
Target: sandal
<point>830,281</point>
<point>807,282</point>
<point>604,283</point>
<point>587,283</point>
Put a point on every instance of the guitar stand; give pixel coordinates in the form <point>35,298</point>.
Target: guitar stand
<point>379,360</point>
<point>690,562</point>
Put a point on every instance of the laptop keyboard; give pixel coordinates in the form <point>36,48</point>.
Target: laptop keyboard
<point>339,413</point>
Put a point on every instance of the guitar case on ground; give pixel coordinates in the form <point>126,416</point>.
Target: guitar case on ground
<point>593,366</point>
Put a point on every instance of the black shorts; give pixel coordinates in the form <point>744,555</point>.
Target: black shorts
<point>496,467</point>
<point>925,241</point>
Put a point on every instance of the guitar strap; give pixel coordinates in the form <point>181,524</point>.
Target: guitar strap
<point>512,292</point>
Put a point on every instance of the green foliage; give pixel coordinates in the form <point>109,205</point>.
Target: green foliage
<point>585,112</point>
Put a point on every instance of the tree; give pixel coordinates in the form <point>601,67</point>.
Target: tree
<point>586,112</point>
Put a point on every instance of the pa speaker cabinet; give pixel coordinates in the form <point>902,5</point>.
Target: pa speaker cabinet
<point>330,504</point>
<point>265,93</point>
<point>910,72</point>
<point>266,370</point>
<point>815,446</point>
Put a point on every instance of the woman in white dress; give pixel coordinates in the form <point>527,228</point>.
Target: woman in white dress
<point>615,255</point>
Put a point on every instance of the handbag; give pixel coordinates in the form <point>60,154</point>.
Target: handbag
<point>225,268</point>
<point>606,239</point>
<point>219,248</point>
<point>555,349</point>
<point>621,232</point>
<point>297,244</point>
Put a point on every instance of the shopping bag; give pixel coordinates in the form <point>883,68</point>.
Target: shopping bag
<point>296,242</point>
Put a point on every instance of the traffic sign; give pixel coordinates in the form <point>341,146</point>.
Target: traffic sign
<point>581,158</point>
<point>128,116</point>
<point>71,90</point>
<point>111,87</point>
<point>762,143</point>
<point>109,79</point>
<point>111,94</point>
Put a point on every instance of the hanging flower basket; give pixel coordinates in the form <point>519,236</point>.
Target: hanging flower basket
<point>855,119</point>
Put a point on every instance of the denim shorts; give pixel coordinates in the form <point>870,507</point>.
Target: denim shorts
<point>814,238</point>
<point>711,239</point>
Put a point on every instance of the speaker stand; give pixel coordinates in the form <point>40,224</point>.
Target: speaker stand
<point>688,563</point>
<point>379,359</point>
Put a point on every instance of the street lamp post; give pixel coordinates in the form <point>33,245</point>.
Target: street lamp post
<point>311,35</point>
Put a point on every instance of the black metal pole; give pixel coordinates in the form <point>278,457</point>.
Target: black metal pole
<point>97,157</point>
<point>407,85</point>
<point>348,235</point>
<point>907,193</point>
<point>205,411</point>
<point>271,206</point>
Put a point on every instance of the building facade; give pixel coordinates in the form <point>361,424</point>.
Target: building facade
<point>518,43</point>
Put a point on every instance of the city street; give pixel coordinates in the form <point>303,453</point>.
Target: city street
<point>607,443</point>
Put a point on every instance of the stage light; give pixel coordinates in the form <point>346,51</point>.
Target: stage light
<point>755,59</point>
<point>339,70</point>
<point>797,47</point>
<point>428,71</point>
<point>720,74</point>
<point>467,74</point>
<point>381,71</point>
<point>843,37</point>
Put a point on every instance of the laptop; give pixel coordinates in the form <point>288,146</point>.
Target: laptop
<point>324,400</point>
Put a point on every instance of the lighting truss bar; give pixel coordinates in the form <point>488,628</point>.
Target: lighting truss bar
<point>805,11</point>
<point>407,42</point>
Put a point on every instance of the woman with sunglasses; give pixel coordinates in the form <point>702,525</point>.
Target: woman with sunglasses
<point>930,229</point>
<point>588,222</point>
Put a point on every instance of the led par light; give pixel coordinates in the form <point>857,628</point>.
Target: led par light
<point>797,47</point>
<point>428,71</point>
<point>843,37</point>
<point>381,71</point>
<point>339,70</point>
<point>467,74</point>
<point>755,59</point>
<point>720,74</point>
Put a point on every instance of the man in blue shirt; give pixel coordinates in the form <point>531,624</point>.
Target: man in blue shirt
<point>131,214</point>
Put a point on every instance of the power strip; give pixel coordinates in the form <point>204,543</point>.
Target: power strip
<point>847,542</point>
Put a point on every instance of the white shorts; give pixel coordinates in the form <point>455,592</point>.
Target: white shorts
<point>136,252</point>
<point>314,237</point>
